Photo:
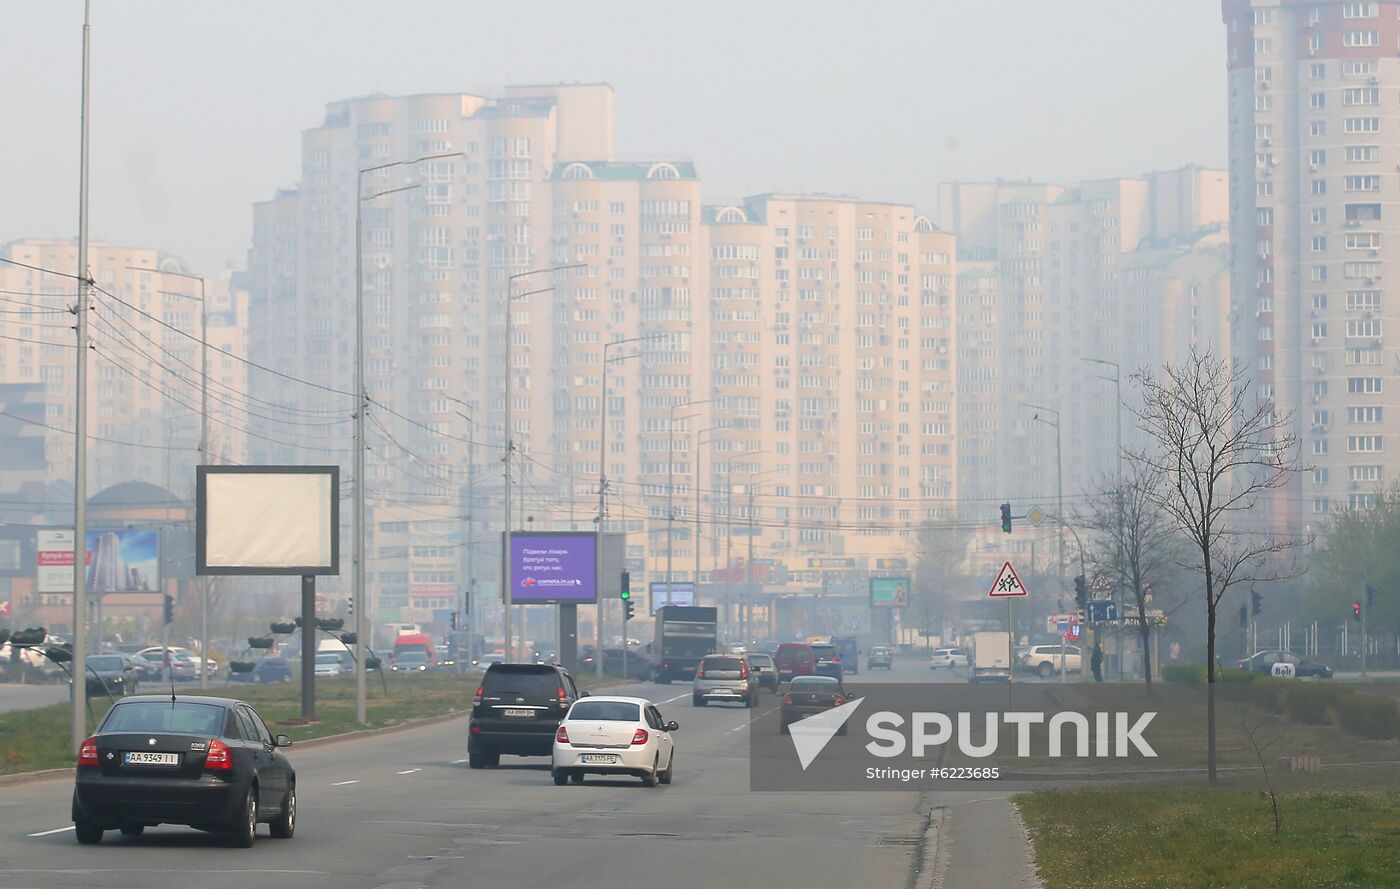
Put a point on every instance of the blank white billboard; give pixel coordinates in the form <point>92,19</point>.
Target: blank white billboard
<point>268,520</point>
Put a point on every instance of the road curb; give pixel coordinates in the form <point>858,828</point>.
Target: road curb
<point>29,777</point>
<point>926,874</point>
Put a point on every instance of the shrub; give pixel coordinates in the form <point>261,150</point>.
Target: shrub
<point>1370,716</point>
<point>1195,674</point>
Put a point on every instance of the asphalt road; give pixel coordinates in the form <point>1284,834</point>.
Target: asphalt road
<point>404,810</point>
<point>25,697</point>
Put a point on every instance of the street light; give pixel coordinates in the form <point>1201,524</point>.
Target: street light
<point>671,483</point>
<point>603,486</point>
<point>699,442</point>
<point>746,615</point>
<point>1059,499</point>
<point>1117,379</point>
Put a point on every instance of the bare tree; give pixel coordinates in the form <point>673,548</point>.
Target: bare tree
<point>1217,450</point>
<point>1138,540</point>
<point>941,557</point>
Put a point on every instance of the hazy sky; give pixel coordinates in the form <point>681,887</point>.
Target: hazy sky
<point>198,105</point>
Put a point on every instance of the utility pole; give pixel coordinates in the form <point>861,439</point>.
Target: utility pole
<point>80,426</point>
<point>698,479</point>
<point>1117,379</point>
<point>671,485</point>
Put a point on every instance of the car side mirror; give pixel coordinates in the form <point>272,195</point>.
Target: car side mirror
<point>673,726</point>
<point>282,741</point>
<point>584,694</point>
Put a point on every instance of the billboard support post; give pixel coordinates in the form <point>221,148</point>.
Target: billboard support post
<point>308,647</point>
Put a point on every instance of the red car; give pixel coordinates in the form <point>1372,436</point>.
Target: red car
<point>794,659</point>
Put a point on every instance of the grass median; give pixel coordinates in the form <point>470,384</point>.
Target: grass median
<point>1213,840</point>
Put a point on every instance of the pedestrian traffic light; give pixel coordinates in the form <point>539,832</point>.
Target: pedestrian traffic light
<point>1356,611</point>
<point>1006,518</point>
<point>626,586</point>
<point>628,609</point>
<point>1256,603</point>
<point>1081,591</point>
<point>169,611</point>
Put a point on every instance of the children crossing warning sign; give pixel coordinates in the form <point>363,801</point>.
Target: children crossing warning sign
<point>1007,584</point>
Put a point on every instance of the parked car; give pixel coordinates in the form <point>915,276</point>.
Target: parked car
<point>516,710</point>
<point>949,658</point>
<point>881,656</point>
<point>614,736</point>
<point>1263,662</point>
<point>724,678</point>
<point>762,665</point>
<point>180,661</point>
<point>808,696</point>
<point>794,659</point>
<point>148,669</point>
<point>1046,659</point>
<point>206,762</point>
<point>268,669</point>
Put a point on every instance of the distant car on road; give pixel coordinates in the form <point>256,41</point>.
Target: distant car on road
<point>1046,659</point>
<point>826,660</point>
<point>808,696</point>
<point>516,710</point>
<point>794,659</point>
<point>881,656</point>
<point>949,658</point>
<point>269,669</point>
<point>724,678</point>
<point>148,668</point>
<point>209,763</point>
<point>614,736</point>
<point>181,661</point>
<point>112,673</point>
<point>408,662</point>
<point>329,663</point>
<point>763,667</point>
<point>1263,662</point>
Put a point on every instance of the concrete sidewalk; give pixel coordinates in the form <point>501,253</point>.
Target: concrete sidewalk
<point>981,844</point>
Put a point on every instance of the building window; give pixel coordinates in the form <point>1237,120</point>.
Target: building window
<point>1263,45</point>
<point>1361,95</point>
<point>1317,157</point>
<point>1360,154</point>
<point>1319,244</point>
<point>1361,38</point>
<point>1318,215</point>
<point>1319,302</point>
<point>1361,125</point>
<point>1317,70</point>
<point>1363,385</point>
<point>1319,186</point>
<point>1317,128</point>
<point>1315,100</point>
<point>1366,9</point>
<point>1314,43</point>
<point>1362,183</point>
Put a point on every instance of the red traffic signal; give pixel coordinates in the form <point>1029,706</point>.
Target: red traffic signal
<point>1356,610</point>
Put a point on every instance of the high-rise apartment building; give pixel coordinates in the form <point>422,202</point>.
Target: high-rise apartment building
<point>1314,112</point>
<point>1052,281</point>
<point>144,372</point>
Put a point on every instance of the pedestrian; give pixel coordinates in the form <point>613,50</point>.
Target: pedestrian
<point>1096,662</point>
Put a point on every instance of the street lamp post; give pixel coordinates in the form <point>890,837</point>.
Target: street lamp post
<point>699,442</point>
<point>671,483</point>
<point>1117,379</point>
<point>1059,501</point>
<point>85,283</point>
<point>746,614</point>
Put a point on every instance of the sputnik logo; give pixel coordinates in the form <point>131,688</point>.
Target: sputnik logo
<point>811,735</point>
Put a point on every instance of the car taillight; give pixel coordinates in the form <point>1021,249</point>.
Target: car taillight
<point>562,694</point>
<point>839,700</point>
<point>787,699</point>
<point>743,672</point>
<point>561,736</point>
<point>639,737</point>
<point>479,692</point>
<point>87,754</point>
<point>699,672</point>
<point>219,758</point>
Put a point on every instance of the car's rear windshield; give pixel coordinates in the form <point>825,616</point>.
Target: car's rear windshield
<point>759,660</point>
<point>722,663</point>
<point>823,650</point>
<point>105,662</point>
<point>522,680</point>
<point>179,717</point>
<point>606,711</point>
<point>328,658</point>
<point>412,657</point>
<point>790,650</point>
<point>825,681</point>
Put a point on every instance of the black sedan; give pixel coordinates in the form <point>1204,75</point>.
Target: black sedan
<point>208,763</point>
<point>111,673</point>
<point>810,695</point>
<point>1264,661</point>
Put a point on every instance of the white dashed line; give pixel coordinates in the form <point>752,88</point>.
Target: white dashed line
<point>49,833</point>
<point>409,771</point>
<point>457,762</point>
<point>343,783</point>
<point>673,700</point>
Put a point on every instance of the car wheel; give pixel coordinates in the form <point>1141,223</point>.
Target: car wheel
<point>697,701</point>
<point>665,777</point>
<point>133,830</point>
<point>245,829</point>
<point>89,834</point>
<point>284,825</point>
<point>576,777</point>
<point>561,777</point>
<point>649,778</point>
<point>1047,670</point>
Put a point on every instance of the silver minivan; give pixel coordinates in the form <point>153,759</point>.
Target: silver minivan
<point>726,678</point>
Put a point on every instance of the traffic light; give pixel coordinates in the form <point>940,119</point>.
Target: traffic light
<point>626,586</point>
<point>1356,611</point>
<point>350,606</point>
<point>1244,615</point>
<point>1081,591</point>
<point>1370,595</point>
<point>628,609</point>
<point>1256,603</point>
<point>169,610</point>
<point>1006,518</point>
<point>452,620</point>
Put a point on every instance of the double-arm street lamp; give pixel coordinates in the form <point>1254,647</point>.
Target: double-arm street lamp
<point>671,483</point>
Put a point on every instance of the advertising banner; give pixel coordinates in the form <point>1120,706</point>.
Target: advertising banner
<point>889,592</point>
<point>554,567</point>
<point>682,593</point>
<point>119,561</point>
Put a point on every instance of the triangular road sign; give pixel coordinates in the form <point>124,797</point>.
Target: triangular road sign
<point>1007,583</point>
<point>811,735</point>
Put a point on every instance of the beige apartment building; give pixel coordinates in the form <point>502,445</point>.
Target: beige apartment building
<point>1132,272</point>
<point>1314,104</point>
<point>144,371</point>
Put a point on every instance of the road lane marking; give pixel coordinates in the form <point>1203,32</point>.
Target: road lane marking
<point>457,762</point>
<point>49,833</point>
<point>673,700</point>
<point>343,783</point>
<point>409,771</point>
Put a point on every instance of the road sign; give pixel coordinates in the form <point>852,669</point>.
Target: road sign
<point>4,609</point>
<point>1100,610</point>
<point>1073,633</point>
<point>1035,516</point>
<point>1007,583</point>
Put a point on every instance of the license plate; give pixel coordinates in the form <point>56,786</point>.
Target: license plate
<point>526,714</point>
<point>598,757</point>
<point>142,758</point>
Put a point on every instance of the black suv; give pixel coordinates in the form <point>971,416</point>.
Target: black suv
<point>517,710</point>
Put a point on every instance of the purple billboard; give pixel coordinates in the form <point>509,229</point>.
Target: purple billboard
<point>557,567</point>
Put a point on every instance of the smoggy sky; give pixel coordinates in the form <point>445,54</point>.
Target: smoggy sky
<point>197,106</point>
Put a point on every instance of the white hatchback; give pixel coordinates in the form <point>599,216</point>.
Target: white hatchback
<point>614,736</point>
<point>948,657</point>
